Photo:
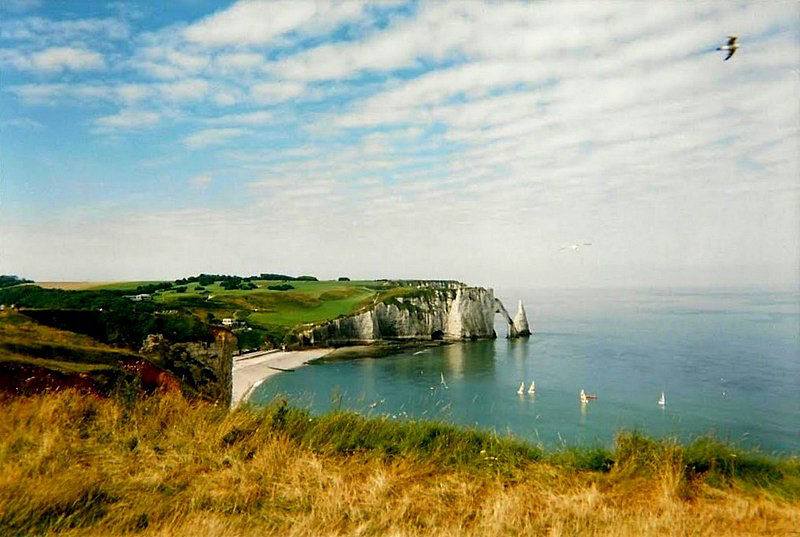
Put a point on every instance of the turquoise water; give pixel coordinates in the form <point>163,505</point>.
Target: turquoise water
<point>728,361</point>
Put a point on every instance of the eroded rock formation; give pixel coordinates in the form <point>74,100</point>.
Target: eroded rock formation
<point>521,322</point>
<point>501,309</point>
<point>204,369</point>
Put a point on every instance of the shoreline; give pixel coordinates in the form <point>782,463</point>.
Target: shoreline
<point>250,370</point>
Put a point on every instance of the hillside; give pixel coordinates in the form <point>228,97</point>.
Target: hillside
<point>262,311</point>
<point>163,466</point>
<point>100,337</point>
<point>35,357</point>
<point>38,357</point>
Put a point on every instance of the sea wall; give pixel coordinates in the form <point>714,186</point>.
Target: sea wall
<point>451,313</point>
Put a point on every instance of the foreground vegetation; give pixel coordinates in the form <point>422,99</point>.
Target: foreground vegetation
<point>76,465</point>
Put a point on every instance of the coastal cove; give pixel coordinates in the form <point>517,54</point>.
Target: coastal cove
<point>726,359</point>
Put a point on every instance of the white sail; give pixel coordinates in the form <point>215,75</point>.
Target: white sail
<point>521,389</point>
<point>663,400</point>
<point>532,388</point>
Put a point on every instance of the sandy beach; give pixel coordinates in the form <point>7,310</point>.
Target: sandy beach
<point>250,370</point>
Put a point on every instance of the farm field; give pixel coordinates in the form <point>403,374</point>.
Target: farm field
<point>74,286</point>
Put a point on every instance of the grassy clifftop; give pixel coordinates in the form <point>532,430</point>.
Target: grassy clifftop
<point>160,465</point>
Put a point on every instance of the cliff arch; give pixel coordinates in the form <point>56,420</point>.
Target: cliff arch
<point>501,309</point>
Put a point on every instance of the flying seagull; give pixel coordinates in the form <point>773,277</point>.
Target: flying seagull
<point>730,47</point>
<point>575,247</point>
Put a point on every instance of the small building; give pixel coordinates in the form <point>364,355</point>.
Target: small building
<point>228,321</point>
<point>144,297</point>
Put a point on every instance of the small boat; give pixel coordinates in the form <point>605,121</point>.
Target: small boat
<point>532,389</point>
<point>585,397</point>
<point>443,383</point>
<point>663,400</point>
<point>521,390</point>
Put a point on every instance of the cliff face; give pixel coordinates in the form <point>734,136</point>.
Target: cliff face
<point>435,313</point>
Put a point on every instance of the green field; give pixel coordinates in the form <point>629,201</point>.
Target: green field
<point>267,309</point>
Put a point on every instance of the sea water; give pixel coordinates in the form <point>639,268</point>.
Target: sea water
<point>727,361</point>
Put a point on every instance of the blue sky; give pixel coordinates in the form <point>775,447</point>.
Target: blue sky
<point>401,139</point>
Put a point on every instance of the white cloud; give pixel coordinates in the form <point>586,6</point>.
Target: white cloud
<point>185,90</point>
<point>42,30</point>
<point>272,92</point>
<point>57,59</point>
<point>23,123</point>
<point>227,97</point>
<point>208,137</point>
<point>247,118</point>
<point>258,22</point>
<point>127,119</point>
<point>238,61</point>
<point>38,93</point>
<point>130,93</point>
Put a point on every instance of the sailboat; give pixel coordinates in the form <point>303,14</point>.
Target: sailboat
<point>532,388</point>
<point>521,390</point>
<point>663,400</point>
<point>443,382</point>
<point>585,397</point>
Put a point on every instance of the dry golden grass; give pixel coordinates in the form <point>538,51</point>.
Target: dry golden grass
<point>75,465</point>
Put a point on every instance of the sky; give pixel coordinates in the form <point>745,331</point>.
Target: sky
<point>463,140</point>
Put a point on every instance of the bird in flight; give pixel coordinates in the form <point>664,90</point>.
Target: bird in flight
<point>575,247</point>
<point>731,47</point>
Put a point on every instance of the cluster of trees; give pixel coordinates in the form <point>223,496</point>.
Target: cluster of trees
<point>203,279</point>
<point>151,288</point>
<point>237,282</point>
<point>280,287</point>
<point>7,280</point>
<point>284,277</point>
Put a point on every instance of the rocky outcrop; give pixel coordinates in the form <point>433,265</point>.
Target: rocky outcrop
<point>427,312</point>
<point>203,369</point>
<point>521,322</point>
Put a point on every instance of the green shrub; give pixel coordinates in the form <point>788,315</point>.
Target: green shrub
<point>280,287</point>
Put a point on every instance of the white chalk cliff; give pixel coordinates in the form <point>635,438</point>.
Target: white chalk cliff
<point>432,312</point>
